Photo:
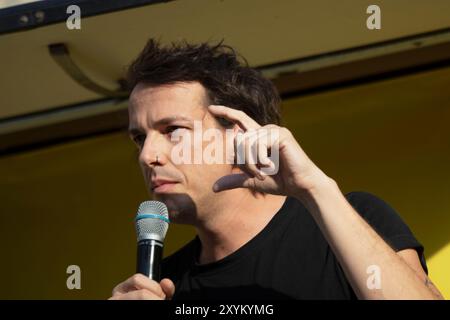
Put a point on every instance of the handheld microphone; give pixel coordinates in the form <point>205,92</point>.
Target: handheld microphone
<point>152,222</point>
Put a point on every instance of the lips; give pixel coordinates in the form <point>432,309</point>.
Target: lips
<point>162,185</point>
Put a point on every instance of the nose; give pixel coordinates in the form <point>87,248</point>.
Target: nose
<point>152,153</point>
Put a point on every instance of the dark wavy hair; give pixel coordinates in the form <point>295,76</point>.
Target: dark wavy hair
<point>224,74</point>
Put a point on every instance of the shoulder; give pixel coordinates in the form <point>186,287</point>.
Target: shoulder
<point>362,198</point>
<point>377,212</point>
<point>371,207</point>
<point>384,219</point>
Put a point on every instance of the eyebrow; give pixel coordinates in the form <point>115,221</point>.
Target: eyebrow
<point>161,122</point>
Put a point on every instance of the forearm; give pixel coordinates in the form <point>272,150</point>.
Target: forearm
<point>357,246</point>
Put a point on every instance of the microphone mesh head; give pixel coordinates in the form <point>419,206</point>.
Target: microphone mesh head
<point>152,221</point>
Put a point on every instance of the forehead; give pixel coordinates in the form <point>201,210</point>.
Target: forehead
<point>185,99</point>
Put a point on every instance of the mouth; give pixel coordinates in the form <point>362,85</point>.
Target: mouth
<point>163,186</point>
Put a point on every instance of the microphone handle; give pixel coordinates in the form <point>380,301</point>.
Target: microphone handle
<point>149,257</point>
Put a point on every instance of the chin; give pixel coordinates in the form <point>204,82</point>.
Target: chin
<point>181,207</point>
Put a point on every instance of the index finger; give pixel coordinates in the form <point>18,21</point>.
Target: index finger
<point>236,116</point>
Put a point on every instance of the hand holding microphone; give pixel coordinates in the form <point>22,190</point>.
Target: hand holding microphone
<point>152,222</point>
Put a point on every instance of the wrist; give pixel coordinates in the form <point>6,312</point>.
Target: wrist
<point>320,185</point>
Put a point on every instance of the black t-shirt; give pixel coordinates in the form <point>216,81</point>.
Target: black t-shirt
<point>288,259</point>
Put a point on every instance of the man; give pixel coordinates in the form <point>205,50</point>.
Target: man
<point>289,234</point>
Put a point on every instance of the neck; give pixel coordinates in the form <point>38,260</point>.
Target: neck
<point>234,220</point>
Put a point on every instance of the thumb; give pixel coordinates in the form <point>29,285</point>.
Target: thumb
<point>232,181</point>
<point>168,287</point>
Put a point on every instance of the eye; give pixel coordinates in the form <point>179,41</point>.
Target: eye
<point>171,129</point>
<point>139,140</point>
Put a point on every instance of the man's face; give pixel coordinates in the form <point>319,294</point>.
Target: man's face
<point>157,114</point>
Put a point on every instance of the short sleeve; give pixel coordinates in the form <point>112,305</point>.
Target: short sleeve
<point>386,222</point>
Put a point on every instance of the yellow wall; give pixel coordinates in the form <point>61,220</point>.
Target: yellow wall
<point>74,203</point>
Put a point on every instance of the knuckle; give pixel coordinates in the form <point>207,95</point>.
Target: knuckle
<point>271,126</point>
<point>136,278</point>
<point>286,131</point>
